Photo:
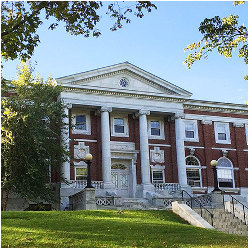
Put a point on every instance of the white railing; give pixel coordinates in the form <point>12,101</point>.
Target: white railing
<point>83,184</point>
<point>167,186</point>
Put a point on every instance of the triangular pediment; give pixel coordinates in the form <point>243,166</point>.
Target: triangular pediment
<point>123,77</point>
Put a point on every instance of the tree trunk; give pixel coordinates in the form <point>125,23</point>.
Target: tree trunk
<point>6,200</point>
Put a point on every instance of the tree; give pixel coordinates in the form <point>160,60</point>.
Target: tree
<point>32,120</point>
<point>20,21</point>
<point>224,34</point>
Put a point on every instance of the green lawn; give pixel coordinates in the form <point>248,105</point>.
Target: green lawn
<point>108,228</point>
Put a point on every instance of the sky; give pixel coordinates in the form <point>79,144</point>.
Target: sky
<point>154,43</point>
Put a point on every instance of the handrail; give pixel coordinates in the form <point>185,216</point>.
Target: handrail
<point>243,207</point>
<point>201,206</point>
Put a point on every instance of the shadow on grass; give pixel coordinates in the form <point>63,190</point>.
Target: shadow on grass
<point>110,229</point>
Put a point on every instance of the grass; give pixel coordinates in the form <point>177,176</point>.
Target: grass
<point>108,229</point>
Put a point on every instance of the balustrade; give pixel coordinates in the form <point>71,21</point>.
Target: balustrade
<point>172,187</point>
<point>83,183</point>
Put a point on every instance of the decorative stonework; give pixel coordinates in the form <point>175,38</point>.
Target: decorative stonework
<point>122,146</point>
<point>192,150</point>
<point>106,109</point>
<point>157,155</point>
<point>206,122</point>
<point>80,150</point>
<point>144,112</point>
<point>224,152</point>
<point>179,115</point>
<point>238,125</point>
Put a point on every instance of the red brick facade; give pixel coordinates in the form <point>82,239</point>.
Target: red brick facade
<point>203,148</point>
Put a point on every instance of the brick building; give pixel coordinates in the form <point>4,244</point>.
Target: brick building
<point>146,135</point>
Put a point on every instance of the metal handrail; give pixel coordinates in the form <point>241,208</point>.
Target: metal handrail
<point>201,206</point>
<point>243,206</point>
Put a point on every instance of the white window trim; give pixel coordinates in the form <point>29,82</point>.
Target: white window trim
<point>197,167</point>
<point>231,168</point>
<point>80,164</point>
<point>196,137</point>
<point>88,124</point>
<point>228,141</point>
<point>161,121</point>
<point>158,168</point>
<point>126,128</point>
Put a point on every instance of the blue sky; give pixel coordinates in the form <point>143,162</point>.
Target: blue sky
<point>154,43</point>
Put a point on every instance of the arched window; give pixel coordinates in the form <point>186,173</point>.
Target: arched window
<point>193,169</point>
<point>225,172</point>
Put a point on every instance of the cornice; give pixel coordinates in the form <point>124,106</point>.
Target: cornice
<point>215,109</point>
<point>114,93</point>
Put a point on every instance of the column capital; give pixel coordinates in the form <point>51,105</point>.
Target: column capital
<point>206,122</point>
<point>178,115</point>
<point>68,105</point>
<point>106,109</point>
<point>142,112</point>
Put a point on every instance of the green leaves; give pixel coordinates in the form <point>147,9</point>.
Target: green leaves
<point>32,120</point>
<point>222,34</point>
<point>20,21</point>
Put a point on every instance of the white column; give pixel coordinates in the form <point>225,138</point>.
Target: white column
<point>65,141</point>
<point>106,153</point>
<point>180,150</point>
<point>144,150</point>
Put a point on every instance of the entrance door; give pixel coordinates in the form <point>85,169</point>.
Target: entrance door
<point>120,178</point>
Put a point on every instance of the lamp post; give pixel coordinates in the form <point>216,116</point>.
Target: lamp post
<point>88,160</point>
<point>214,164</point>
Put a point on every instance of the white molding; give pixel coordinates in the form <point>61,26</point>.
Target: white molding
<point>196,136</point>
<point>160,167</point>
<point>232,149</point>
<point>162,132</point>
<point>159,145</point>
<point>194,147</point>
<point>126,125</point>
<point>245,150</point>
<point>83,140</point>
<point>246,169</point>
<point>227,132</point>
<point>216,118</point>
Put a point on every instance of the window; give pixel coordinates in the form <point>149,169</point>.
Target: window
<point>158,175</point>
<point>222,133</point>
<point>156,128</point>
<point>119,125</point>
<point>81,122</point>
<point>193,170</point>
<point>225,173</point>
<point>191,131</point>
<point>81,173</point>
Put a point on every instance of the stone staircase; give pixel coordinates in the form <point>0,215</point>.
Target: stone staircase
<point>225,221</point>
